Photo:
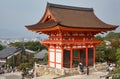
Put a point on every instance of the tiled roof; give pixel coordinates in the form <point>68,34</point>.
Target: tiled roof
<point>75,17</point>
<point>41,54</point>
<point>8,51</point>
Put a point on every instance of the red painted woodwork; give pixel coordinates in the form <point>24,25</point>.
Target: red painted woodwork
<point>55,56</point>
<point>71,57</point>
<point>62,54</point>
<point>86,56</point>
<point>94,55</point>
<point>69,37</point>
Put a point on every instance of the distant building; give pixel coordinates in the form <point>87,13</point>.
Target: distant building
<point>29,53</point>
<point>40,55</point>
<point>7,53</point>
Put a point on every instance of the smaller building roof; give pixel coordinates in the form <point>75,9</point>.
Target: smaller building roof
<point>29,51</point>
<point>41,54</point>
<point>7,52</point>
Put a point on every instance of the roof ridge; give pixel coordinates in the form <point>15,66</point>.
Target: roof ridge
<point>68,7</point>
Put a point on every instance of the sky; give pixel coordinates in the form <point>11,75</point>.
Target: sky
<point>15,14</point>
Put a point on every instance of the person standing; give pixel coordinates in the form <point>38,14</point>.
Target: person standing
<point>81,66</point>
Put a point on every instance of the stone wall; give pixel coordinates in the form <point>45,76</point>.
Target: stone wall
<point>40,70</point>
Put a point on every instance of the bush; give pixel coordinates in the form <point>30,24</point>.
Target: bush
<point>45,59</point>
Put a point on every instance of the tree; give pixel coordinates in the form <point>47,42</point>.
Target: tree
<point>35,46</point>
<point>112,35</point>
<point>115,43</point>
<point>98,37</point>
<point>24,67</point>
<point>100,52</point>
<point>117,70</point>
<point>118,56</point>
<point>110,55</point>
<point>105,54</point>
<point>1,47</point>
<point>45,58</point>
<point>17,44</point>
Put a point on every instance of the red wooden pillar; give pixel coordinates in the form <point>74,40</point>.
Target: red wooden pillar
<point>55,56</point>
<point>94,55</point>
<point>62,56</point>
<point>71,56</point>
<point>87,60</point>
<point>86,56</point>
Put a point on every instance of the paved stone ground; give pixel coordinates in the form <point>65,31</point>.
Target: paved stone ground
<point>2,77</point>
<point>94,75</point>
<point>15,75</point>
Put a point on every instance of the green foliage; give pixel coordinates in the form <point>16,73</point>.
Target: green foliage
<point>115,77</point>
<point>115,43</point>
<point>118,56</point>
<point>26,65</point>
<point>117,70</point>
<point>112,35</point>
<point>17,44</point>
<point>98,37</point>
<point>24,58</point>
<point>1,47</point>
<point>100,54</point>
<point>35,46</point>
<point>110,54</point>
<point>105,54</point>
<point>23,66</point>
<point>45,59</point>
<point>13,61</point>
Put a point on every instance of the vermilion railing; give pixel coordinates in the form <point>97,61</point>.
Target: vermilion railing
<point>71,42</point>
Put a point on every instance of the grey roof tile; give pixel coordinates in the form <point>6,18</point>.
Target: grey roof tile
<point>7,52</point>
<point>41,54</point>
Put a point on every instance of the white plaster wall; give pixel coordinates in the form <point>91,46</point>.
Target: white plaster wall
<point>58,57</point>
<point>52,56</point>
<point>51,64</point>
<point>58,66</point>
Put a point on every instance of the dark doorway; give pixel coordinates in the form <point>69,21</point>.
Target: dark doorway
<point>66,60</point>
<point>83,56</point>
<point>90,56</point>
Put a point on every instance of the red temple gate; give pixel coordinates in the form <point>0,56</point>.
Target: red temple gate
<point>71,33</point>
